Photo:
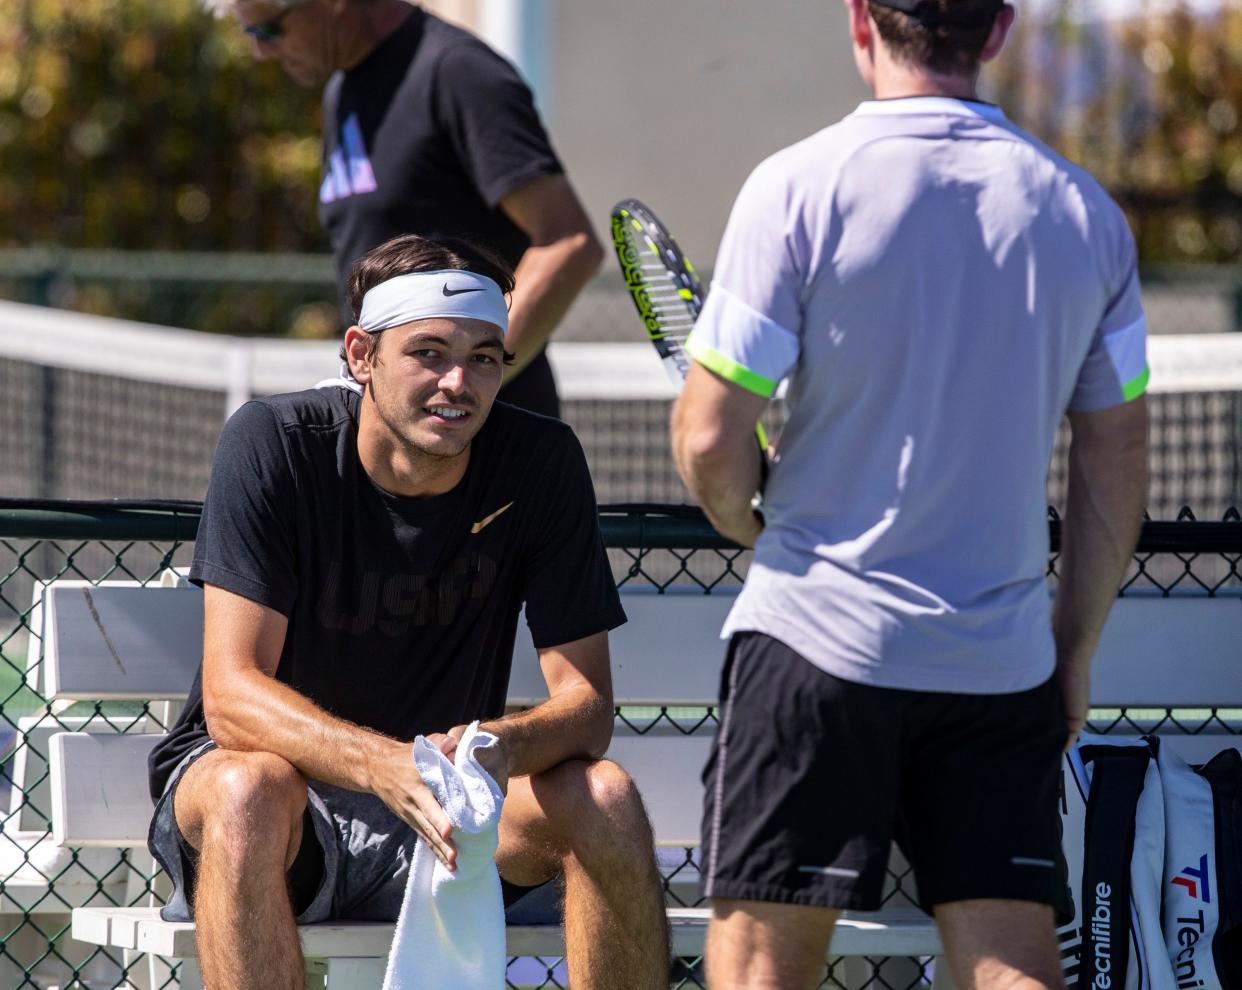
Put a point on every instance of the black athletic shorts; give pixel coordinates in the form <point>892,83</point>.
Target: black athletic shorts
<point>811,778</point>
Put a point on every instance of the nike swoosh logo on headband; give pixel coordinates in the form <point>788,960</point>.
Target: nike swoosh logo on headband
<point>457,292</point>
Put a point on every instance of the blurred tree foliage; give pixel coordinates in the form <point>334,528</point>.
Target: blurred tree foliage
<point>145,124</point>
<point>1151,106</point>
<point>148,124</point>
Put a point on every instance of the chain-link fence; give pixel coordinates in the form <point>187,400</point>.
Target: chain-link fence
<point>80,430</point>
<point>650,546</point>
<point>79,434</point>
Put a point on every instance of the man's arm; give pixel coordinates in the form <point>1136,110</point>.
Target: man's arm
<point>576,720</point>
<point>564,254</point>
<point>1103,515</point>
<point>247,709</point>
<point>717,457</point>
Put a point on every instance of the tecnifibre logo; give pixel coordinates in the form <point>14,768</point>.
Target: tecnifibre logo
<point>1191,926</point>
<point>1101,961</point>
<point>1195,881</point>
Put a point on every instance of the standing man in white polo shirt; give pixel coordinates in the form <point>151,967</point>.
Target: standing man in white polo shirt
<point>940,289</point>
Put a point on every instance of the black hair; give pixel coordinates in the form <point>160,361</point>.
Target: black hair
<point>942,36</point>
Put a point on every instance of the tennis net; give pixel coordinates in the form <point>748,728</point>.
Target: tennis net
<point>97,408</point>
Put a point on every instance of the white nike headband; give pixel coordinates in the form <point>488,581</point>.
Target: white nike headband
<point>447,294</point>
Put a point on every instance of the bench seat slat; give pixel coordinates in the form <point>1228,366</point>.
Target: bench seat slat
<point>1170,653</point>
<point>894,931</point>
<point>37,897</point>
<point>31,796</point>
<point>117,642</point>
<point>122,642</point>
<point>99,792</point>
<point>669,652</point>
<point>666,770</point>
<point>100,796</point>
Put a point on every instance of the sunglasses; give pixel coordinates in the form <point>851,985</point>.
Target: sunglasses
<point>269,31</point>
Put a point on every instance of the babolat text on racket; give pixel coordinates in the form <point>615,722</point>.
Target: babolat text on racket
<point>665,289</point>
<point>663,284</point>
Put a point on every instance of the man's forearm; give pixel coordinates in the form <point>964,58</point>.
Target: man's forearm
<point>573,725</point>
<point>257,713</point>
<point>548,280</point>
<point>726,500</point>
<point>713,432</point>
<point>722,475</point>
<point>260,714</point>
<point>1103,516</point>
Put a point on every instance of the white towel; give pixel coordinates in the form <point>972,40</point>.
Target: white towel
<point>344,380</point>
<point>451,931</point>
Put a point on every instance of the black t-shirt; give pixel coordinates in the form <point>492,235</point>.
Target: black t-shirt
<point>426,136</point>
<point>402,611</point>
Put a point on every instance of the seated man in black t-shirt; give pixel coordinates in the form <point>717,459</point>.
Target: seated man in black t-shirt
<point>365,549</point>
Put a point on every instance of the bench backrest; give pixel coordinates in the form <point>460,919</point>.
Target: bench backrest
<point>128,642</point>
<point>123,642</point>
<point>113,642</point>
<point>30,797</point>
<point>120,642</point>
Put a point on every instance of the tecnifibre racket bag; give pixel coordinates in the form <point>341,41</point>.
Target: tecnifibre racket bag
<point>1203,869</point>
<point>1113,816</point>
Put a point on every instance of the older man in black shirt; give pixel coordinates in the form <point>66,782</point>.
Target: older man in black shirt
<point>428,131</point>
<point>365,549</point>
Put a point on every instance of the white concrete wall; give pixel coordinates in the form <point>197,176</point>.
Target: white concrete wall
<point>675,101</point>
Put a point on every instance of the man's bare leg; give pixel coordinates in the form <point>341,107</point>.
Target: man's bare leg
<point>757,945</point>
<point>243,813</point>
<point>1000,945</point>
<point>587,821</point>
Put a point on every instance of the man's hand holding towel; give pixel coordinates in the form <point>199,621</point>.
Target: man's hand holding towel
<point>451,931</point>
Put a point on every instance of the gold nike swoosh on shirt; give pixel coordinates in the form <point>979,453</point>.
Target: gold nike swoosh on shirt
<point>487,520</point>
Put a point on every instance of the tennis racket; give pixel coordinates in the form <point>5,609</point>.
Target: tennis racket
<point>666,292</point>
<point>662,283</point>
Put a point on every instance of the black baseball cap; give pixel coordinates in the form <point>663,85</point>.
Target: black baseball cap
<point>928,12</point>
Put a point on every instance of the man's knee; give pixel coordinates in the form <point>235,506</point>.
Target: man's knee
<point>587,799</point>
<point>260,784</point>
<point>587,787</point>
<point>241,797</point>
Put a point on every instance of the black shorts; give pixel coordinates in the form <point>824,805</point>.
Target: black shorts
<point>811,778</point>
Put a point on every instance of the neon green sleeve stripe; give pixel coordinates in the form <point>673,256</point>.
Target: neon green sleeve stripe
<point>1136,386</point>
<point>730,370</point>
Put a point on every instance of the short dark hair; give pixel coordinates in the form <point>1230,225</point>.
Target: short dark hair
<point>949,44</point>
<point>412,253</point>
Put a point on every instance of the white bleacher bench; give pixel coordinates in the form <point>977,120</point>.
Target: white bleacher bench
<point>145,643</point>
<point>28,856</point>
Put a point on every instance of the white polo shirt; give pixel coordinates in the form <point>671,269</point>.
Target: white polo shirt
<point>939,288</point>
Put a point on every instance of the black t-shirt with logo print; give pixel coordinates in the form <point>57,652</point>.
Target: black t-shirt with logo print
<point>402,611</point>
<point>426,136</point>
